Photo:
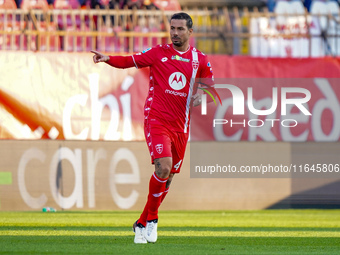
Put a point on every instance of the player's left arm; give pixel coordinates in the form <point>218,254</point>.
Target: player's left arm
<point>205,83</point>
<point>115,61</point>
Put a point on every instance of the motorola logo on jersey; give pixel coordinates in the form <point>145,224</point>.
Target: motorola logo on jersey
<point>177,81</point>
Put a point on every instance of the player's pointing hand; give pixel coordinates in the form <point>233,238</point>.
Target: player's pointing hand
<point>99,57</point>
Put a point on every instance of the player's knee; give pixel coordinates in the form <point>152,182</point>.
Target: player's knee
<point>163,172</point>
<point>163,168</point>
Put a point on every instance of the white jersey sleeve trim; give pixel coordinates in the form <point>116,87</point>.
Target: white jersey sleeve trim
<point>192,82</point>
<point>134,61</point>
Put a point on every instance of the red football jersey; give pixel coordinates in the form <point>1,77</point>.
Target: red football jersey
<point>172,78</point>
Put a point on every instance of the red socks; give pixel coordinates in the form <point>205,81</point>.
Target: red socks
<point>155,197</point>
<point>144,215</point>
<point>164,194</point>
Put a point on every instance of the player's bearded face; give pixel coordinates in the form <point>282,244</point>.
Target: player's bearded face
<point>179,32</point>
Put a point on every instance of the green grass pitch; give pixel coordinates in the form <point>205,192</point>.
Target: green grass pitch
<point>186,232</point>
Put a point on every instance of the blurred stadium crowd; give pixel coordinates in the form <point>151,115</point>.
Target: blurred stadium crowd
<point>89,4</point>
<point>146,4</point>
<point>277,28</point>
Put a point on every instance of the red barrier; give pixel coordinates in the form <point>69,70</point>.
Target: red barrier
<point>248,67</point>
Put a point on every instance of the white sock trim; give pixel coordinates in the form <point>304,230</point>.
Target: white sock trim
<point>154,175</point>
<point>157,194</point>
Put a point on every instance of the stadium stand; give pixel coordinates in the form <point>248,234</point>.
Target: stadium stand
<point>168,5</point>
<point>66,4</point>
<point>34,4</point>
<point>70,25</point>
<point>7,4</point>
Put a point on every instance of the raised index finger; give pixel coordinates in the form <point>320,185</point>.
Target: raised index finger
<point>96,52</point>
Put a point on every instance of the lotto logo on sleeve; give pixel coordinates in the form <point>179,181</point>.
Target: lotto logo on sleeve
<point>177,80</point>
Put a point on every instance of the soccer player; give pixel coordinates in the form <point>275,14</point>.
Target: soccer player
<point>173,69</point>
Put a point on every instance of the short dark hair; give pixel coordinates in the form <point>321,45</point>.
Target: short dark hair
<point>183,15</point>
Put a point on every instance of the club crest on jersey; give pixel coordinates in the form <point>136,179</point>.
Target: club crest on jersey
<point>159,148</point>
<point>195,64</point>
<point>176,57</point>
<point>177,80</point>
